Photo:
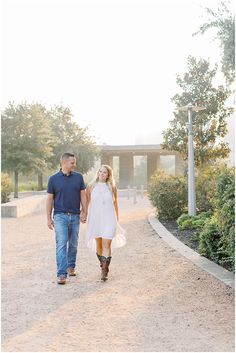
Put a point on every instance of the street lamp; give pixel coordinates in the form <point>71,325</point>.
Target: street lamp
<point>191,180</point>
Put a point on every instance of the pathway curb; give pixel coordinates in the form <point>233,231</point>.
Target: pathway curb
<point>217,271</point>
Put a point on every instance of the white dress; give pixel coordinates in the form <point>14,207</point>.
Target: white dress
<point>102,221</point>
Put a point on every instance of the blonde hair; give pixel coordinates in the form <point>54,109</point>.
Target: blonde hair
<point>110,180</point>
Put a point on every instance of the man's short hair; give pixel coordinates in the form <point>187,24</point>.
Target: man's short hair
<point>67,155</point>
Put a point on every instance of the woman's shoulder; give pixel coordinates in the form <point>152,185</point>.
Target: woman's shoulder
<point>91,186</point>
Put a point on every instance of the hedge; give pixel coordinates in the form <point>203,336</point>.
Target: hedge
<point>5,188</point>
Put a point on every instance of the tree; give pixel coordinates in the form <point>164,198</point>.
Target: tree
<point>224,22</point>
<point>70,137</point>
<point>209,126</point>
<point>26,139</point>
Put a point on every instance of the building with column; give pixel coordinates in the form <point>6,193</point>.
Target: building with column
<point>126,160</point>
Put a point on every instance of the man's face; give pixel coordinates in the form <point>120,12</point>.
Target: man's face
<point>70,164</point>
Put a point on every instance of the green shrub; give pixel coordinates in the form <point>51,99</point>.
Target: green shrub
<point>209,239</point>
<point>206,186</point>
<point>193,222</point>
<point>183,218</point>
<point>186,224</point>
<point>198,223</point>
<point>168,194</point>
<point>225,213</point>
<point>227,250</point>
<point>225,193</point>
<point>5,188</point>
<point>217,239</point>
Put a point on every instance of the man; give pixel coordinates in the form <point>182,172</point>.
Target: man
<point>66,192</point>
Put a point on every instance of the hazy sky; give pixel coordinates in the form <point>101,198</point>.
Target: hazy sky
<point>114,63</point>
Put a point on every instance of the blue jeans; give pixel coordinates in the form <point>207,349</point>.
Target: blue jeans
<point>66,233</point>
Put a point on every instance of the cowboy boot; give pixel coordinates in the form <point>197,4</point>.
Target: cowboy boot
<point>105,267</point>
<point>99,259</point>
<point>109,261</point>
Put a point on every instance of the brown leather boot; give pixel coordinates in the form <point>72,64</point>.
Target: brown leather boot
<point>99,259</point>
<point>105,267</point>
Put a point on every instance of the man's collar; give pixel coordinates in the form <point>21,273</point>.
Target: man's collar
<point>64,173</point>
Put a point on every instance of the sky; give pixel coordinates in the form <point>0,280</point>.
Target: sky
<point>113,62</point>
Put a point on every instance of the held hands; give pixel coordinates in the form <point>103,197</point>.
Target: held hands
<point>50,224</point>
<point>83,217</point>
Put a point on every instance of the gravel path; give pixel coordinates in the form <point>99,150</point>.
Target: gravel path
<point>154,300</point>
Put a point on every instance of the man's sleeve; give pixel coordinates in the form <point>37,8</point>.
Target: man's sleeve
<point>82,186</point>
<point>50,189</point>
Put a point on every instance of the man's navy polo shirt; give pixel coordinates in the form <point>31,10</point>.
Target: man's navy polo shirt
<point>66,191</point>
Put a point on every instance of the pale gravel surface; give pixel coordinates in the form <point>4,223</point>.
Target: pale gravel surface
<point>154,300</point>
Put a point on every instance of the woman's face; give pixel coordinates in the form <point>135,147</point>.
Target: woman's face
<point>103,174</point>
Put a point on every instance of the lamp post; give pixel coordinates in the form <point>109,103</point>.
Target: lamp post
<point>191,179</point>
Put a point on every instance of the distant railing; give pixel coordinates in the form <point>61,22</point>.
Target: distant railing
<point>132,193</point>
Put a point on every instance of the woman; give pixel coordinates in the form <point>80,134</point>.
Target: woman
<point>103,229</point>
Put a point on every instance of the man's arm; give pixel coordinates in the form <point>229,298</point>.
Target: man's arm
<point>83,201</point>
<point>49,207</point>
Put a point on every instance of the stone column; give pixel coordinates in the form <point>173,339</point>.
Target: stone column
<point>107,159</point>
<point>153,162</point>
<point>180,165</point>
<point>126,170</point>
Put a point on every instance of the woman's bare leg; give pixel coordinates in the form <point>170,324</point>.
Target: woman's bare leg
<point>106,247</point>
<point>99,246</point>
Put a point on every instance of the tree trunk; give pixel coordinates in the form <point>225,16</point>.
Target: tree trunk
<point>40,181</point>
<point>16,184</point>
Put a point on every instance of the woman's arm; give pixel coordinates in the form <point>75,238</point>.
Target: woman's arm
<point>88,195</point>
<point>116,203</point>
<point>83,200</point>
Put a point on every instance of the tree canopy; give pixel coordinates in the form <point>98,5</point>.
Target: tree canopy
<point>209,125</point>
<point>26,138</point>
<point>224,22</point>
<point>70,137</point>
<point>34,138</point>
